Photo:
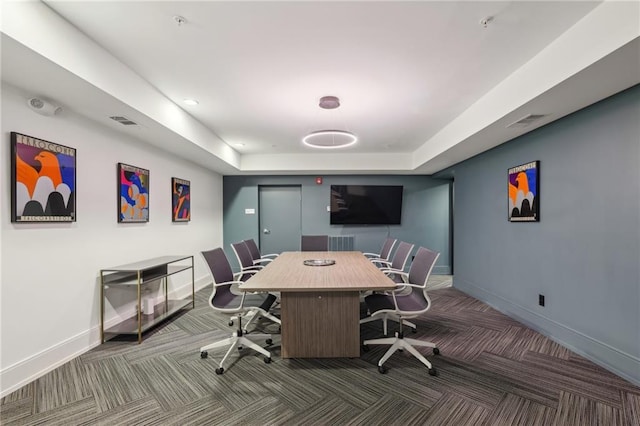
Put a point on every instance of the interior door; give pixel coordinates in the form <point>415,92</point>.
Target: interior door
<point>280,218</point>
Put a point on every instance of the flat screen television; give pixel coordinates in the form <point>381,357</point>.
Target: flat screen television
<point>366,204</point>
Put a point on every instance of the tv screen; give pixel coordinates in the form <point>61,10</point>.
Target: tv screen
<point>366,205</point>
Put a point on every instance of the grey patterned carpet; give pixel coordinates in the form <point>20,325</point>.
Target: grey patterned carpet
<point>491,371</point>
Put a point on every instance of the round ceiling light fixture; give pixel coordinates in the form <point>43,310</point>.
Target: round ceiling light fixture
<point>329,102</point>
<point>330,139</point>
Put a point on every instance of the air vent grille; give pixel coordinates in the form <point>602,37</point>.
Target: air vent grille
<point>123,120</point>
<point>526,120</point>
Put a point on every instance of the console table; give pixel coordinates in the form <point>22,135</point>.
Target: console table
<point>139,274</point>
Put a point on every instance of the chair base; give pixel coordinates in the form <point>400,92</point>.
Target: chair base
<point>238,341</point>
<point>401,343</point>
<point>385,319</point>
<point>252,315</point>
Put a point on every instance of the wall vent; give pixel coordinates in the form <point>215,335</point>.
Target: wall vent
<point>341,242</point>
<point>526,120</point>
<point>123,120</point>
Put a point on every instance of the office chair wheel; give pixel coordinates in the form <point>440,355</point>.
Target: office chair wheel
<point>269,341</point>
<point>267,360</point>
<point>204,354</point>
<point>382,369</point>
<point>436,351</point>
<point>240,348</point>
<point>365,348</point>
<point>433,372</point>
<point>219,371</point>
<point>230,323</point>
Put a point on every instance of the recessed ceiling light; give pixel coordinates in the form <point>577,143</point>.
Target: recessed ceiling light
<point>191,102</point>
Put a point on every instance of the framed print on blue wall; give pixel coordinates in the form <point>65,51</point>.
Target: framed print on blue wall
<point>524,192</point>
<point>43,180</point>
<point>133,194</point>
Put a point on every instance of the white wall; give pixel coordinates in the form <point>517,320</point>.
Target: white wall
<point>49,292</point>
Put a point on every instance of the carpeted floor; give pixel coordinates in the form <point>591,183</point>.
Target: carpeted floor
<point>491,371</point>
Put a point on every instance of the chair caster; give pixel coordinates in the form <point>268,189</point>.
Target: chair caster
<point>230,323</point>
<point>219,371</point>
<point>382,369</point>
<point>436,351</point>
<point>240,348</point>
<point>433,372</point>
<point>204,354</point>
<point>267,360</point>
<point>365,348</point>
<point>269,342</point>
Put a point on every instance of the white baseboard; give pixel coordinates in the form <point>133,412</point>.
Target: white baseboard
<point>618,362</point>
<point>29,369</point>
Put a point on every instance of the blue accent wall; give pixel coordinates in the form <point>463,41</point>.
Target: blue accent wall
<point>584,254</point>
<point>425,211</point>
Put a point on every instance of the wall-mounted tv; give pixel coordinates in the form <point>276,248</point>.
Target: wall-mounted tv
<point>366,204</point>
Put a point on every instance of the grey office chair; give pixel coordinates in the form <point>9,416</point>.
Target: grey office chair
<point>224,300</point>
<point>385,251</point>
<point>245,260</point>
<point>314,243</point>
<point>409,305</point>
<point>395,271</point>
<point>397,263</point>
<point>257,257</point>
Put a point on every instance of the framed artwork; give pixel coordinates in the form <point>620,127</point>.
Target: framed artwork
<point>133,194</point>
<point>180,200</point>
<point>524,192</point>
<point>43,180</point>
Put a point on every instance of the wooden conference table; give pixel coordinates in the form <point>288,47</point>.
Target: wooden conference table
<point>320,305</point>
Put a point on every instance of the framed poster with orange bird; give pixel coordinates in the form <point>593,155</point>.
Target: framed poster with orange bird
<point>524,192</point>
<point>133,194</point>
<point>43,180</point>
<point>180,200</point>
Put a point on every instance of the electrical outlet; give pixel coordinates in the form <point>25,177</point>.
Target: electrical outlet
<point>541,299</point>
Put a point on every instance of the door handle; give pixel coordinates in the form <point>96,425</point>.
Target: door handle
<point>266,231</point>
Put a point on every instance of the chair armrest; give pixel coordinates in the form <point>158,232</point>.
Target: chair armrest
<point>227,283</point>
<point>376,255</point>
<point>244,272</point>
<point>258,261</point>
<point>264,256</point>
<point>384,263</point>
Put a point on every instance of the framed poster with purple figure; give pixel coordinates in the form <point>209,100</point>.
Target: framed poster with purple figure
<point>180,200</point>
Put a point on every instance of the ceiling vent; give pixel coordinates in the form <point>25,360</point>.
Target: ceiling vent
<point>526,120</point>
<point>123,120</point>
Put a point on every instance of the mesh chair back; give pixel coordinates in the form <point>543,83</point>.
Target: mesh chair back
<point>401,255</point>
<point>220,270</point>
<point>418,301</point>
<point>315,243</point>
<point>385,252</point>
<point>242,253</point>
<point>253,248</point>
<point>422,266</point>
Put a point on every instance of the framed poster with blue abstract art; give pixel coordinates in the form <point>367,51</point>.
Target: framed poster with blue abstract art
<point>43,180</point>
<point>524,192</point>
<point>180,200</point>
<point>133,194</point>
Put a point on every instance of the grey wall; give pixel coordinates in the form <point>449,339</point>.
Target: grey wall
<point>425,214</point>
<point>584,254</point>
